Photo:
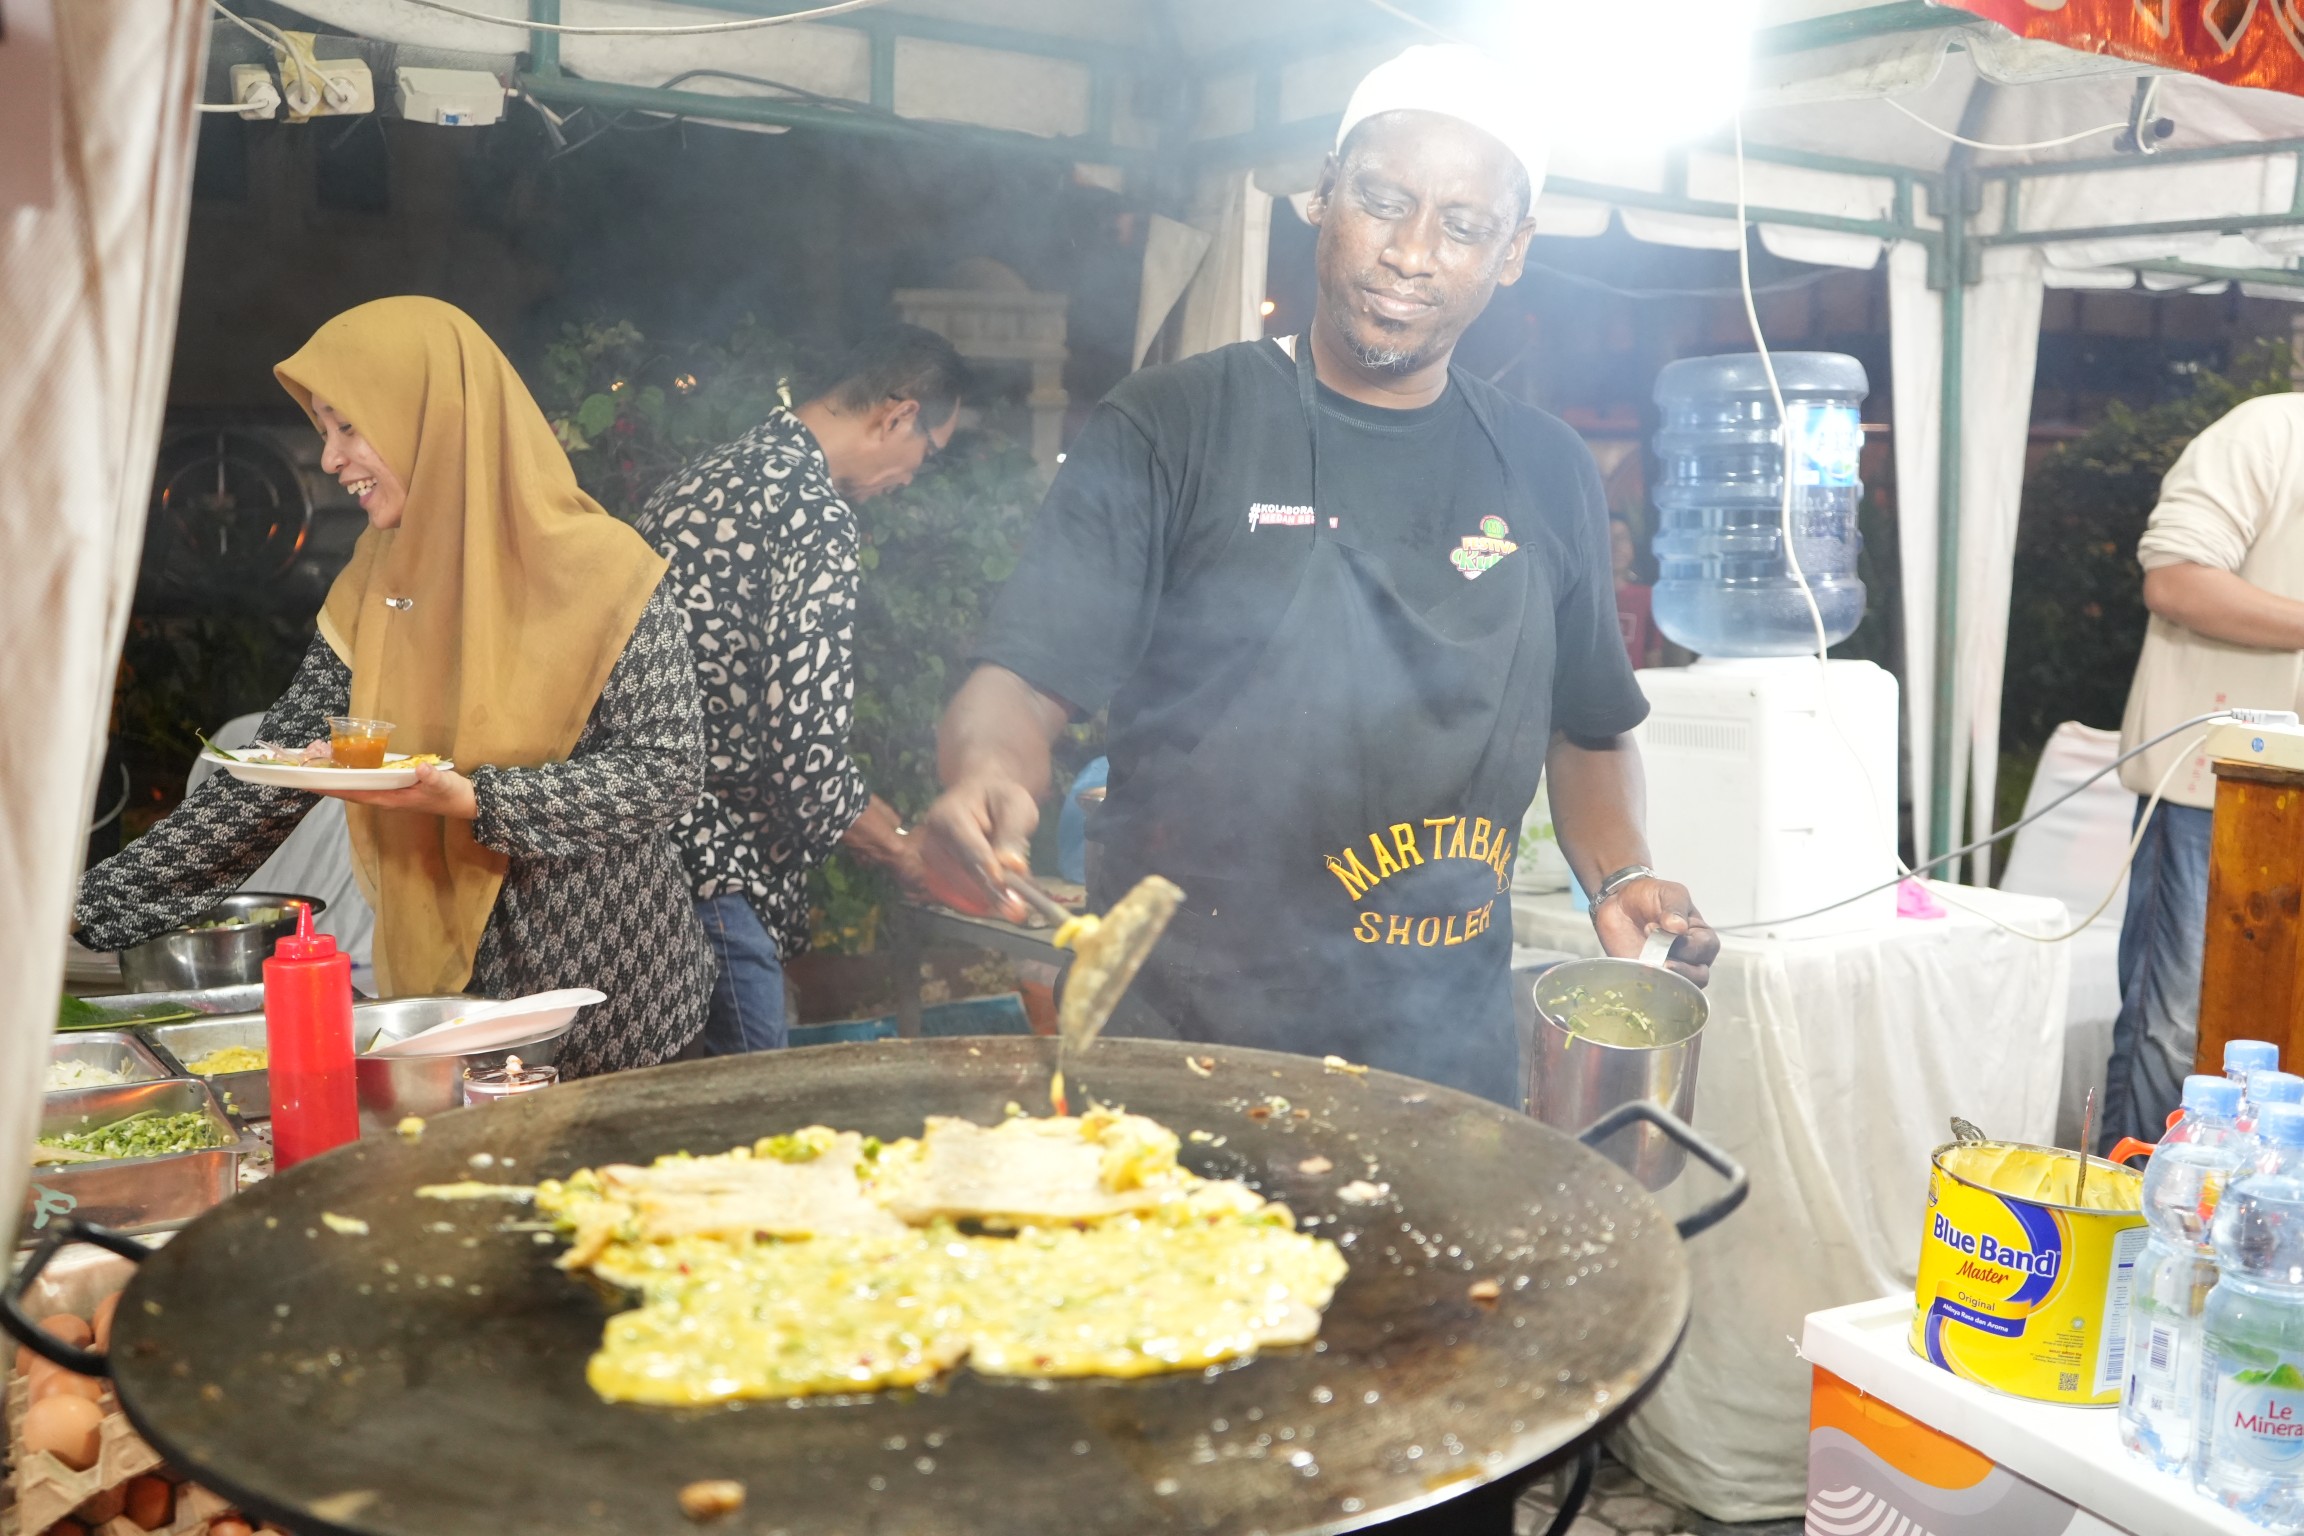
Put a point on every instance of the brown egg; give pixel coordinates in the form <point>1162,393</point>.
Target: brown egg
<point>72,1330</point>
<point>67,1527</point>
<point>101,1324</point>
<point>97,1508</point>
<point>230,1525</point>
<point>71,1429</point>
<point>151,1502</point>
<point>66,1384</point>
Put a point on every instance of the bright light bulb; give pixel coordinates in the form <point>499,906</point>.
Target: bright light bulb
<point>1633,76</point>
<point>1268,306</point>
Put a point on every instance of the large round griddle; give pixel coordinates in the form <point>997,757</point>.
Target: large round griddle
<point>427,1378</point>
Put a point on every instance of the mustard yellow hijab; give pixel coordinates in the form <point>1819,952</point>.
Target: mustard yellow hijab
<point>484,626</point>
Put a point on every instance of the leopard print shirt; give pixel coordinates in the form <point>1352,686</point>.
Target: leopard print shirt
<point>763,553</point>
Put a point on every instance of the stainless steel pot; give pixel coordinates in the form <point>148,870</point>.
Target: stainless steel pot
<point>395,1087</point>
<point>1576,1079</point>
<point>225,946</point>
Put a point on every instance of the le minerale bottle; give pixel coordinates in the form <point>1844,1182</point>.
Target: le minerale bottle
<point>308,1040</point>
<point>2174,1274</point>
<point>2251,1411</point>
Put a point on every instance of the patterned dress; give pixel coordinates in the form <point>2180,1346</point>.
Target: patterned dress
<point>763,553</point>
<point>595,895</point>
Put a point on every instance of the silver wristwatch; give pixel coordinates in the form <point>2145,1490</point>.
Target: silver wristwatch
<point>1619,879</point>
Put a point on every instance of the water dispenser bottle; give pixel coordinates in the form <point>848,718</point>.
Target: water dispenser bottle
<point>1723,585</point>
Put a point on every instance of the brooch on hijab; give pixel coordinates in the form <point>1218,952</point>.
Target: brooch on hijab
<point>400,604</point>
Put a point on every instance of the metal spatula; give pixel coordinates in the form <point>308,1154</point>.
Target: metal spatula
<point>1110,950</point>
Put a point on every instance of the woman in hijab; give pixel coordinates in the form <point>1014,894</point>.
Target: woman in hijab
<point>504,621</point>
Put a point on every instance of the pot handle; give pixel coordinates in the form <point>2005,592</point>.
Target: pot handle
<point>26,1331</point>
<point>1739,1182</point>
<point>1657,947</point>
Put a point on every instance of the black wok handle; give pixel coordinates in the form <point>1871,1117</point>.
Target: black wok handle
<point>28,1332</point>
<point>1739,1182</point>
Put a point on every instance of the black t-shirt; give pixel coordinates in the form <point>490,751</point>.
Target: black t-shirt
<point>1175,534</point>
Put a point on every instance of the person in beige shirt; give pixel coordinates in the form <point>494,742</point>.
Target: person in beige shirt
<point>2223,559</point>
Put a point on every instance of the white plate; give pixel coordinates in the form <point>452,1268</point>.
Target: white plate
<point>489,1025</point>
<point>283,776</point>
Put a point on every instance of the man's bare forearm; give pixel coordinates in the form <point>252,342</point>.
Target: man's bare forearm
<point>1599,801</point>
<point>2223,605</point>
<point>998,727</point>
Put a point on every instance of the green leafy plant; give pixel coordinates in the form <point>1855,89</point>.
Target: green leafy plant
<point>631,413</point>
<point>2076,615</point>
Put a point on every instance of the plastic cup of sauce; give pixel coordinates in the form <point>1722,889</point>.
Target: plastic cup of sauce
<point>356,743</point>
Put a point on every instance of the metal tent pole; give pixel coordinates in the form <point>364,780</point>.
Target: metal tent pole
<point>1948,443</point>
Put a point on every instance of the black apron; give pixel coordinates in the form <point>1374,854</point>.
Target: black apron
<point>1344,829</point>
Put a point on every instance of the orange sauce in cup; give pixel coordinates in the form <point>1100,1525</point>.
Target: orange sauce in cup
<point>357,745</point>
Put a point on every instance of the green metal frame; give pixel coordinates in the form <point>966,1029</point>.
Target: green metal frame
<point>1954,195</point>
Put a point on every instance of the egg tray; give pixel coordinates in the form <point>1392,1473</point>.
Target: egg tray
<point>46,1490</point>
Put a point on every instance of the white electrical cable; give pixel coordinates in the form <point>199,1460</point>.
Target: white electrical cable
<point>248,27</point>
<point>747,24</point>
<point>1816,617</point>
<point>2011,149</point>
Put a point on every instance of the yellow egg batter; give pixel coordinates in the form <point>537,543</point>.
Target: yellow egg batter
<point>1181,1273</point>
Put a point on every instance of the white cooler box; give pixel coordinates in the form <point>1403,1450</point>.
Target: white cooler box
<point>1772,789</point>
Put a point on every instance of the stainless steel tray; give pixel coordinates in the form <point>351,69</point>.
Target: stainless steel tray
<point>246,1094</point>
<point>204,1000</point>
<point>133,1194</point>
<point>117,1051</point>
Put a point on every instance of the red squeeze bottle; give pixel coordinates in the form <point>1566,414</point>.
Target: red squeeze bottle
<point>308,1034</point>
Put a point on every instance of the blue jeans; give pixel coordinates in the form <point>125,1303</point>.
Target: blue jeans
<point>747,1012</point>
<point>2160,947</point>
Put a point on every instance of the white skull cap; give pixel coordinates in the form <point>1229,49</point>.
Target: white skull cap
<point>1460,82</point>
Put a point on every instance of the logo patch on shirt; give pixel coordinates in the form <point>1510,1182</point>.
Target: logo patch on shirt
<point>1272,514</point>
<point>1475,553</point>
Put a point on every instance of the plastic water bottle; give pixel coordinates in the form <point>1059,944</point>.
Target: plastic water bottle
<point>1723,587</point>
<point>2242,1057</point>
<point>2251,1412</point>
<point>2159,1402</point>
<point>2279,1140</point>
<point>2267,1088</point>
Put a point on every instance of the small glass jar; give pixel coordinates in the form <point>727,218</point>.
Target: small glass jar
<point>485,1085</point>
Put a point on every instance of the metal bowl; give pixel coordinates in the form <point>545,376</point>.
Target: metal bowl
<point>1574,1079</point>
<point>394,1087</point>
<point>193,957</point>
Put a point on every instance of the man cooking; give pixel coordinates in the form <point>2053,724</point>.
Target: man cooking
<point>1344,605</point>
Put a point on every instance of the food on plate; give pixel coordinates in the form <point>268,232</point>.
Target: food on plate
<point>824,1261</point>
<point>71,1429</point>
<point>150,1134</point>
<point>63,1075</point>
<point>357,743</point>
<point>230,1058</point>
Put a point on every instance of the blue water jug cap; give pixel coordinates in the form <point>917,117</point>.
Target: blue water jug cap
<point>2281,1124</point>
<point>2250,1055</point>
<point>2275,1087</point>
<point>2206,1095</point>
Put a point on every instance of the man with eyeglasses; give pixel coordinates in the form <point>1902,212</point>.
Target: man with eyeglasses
<point>761,533</point>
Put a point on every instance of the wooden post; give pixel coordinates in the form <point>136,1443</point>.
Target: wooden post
<point>2251,983</point>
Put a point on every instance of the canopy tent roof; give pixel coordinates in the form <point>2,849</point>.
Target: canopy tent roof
<point>1850,152</point>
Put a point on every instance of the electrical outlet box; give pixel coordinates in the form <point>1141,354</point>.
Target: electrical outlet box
<point>347,89</point>
<point>467,98</point>
<point>252,87</point>
<point>2273,742</point>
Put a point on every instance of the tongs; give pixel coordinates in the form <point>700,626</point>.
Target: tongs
<point>1110,950</point>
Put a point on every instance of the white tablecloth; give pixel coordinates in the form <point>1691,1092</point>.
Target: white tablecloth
<point>1830,1069</point>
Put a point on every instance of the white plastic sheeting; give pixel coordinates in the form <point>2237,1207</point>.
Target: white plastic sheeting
<point>88,293</point>
<point>1830,1070</point>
